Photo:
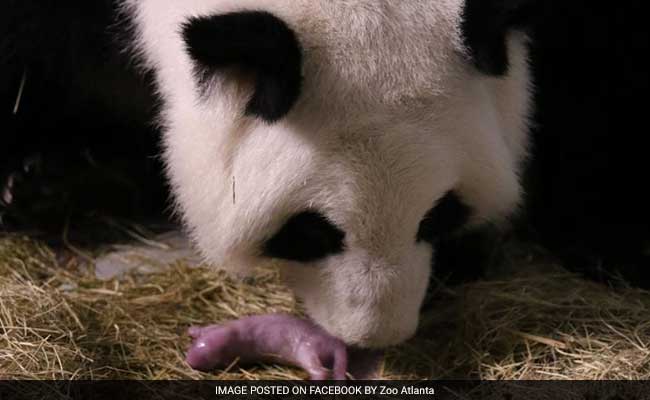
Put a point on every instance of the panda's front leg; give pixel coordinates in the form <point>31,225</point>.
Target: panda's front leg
<point>272,338</point>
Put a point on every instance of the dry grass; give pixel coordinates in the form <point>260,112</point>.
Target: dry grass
<point>57,324</point>
<point>544,323</point>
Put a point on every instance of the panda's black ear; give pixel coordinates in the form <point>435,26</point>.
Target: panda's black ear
<point>257,41</point>
<point>486,24</point>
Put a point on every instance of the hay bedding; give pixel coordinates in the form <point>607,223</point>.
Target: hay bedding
<point>59,321</point>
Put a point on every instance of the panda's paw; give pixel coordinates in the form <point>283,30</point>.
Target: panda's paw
<point>322,356</point>
<point>16,176</point>
<point>7,183</point>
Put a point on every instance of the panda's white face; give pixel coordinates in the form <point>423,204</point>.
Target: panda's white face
<point>390,120</point>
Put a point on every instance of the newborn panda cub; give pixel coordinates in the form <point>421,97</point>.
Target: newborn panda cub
<point>276,338</point>
<point>340,139</point>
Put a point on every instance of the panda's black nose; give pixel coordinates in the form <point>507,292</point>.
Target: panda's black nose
<point>305,237</point>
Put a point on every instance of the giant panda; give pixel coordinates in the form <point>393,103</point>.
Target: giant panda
<point>364,146</point>
<point>349,140</point>
<point>340,139</point>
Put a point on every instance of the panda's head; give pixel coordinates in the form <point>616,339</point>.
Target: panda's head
<point>341,138</point>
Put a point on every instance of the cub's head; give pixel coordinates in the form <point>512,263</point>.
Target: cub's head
<point>341,138</point>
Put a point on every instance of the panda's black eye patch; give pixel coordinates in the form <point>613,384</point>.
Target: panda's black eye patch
<point>305,237</point>
<point>449,214</point>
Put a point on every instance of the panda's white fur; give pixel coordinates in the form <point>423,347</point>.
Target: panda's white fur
<point>392,115</point>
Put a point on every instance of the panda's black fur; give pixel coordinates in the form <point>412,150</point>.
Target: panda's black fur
<point>585,194</point>
<point>272,52</point>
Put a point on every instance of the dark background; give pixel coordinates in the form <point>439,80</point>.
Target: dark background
<point>82,142</point>
<point>588,198</point>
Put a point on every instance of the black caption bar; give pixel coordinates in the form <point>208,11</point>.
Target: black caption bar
<point>212,390</point>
